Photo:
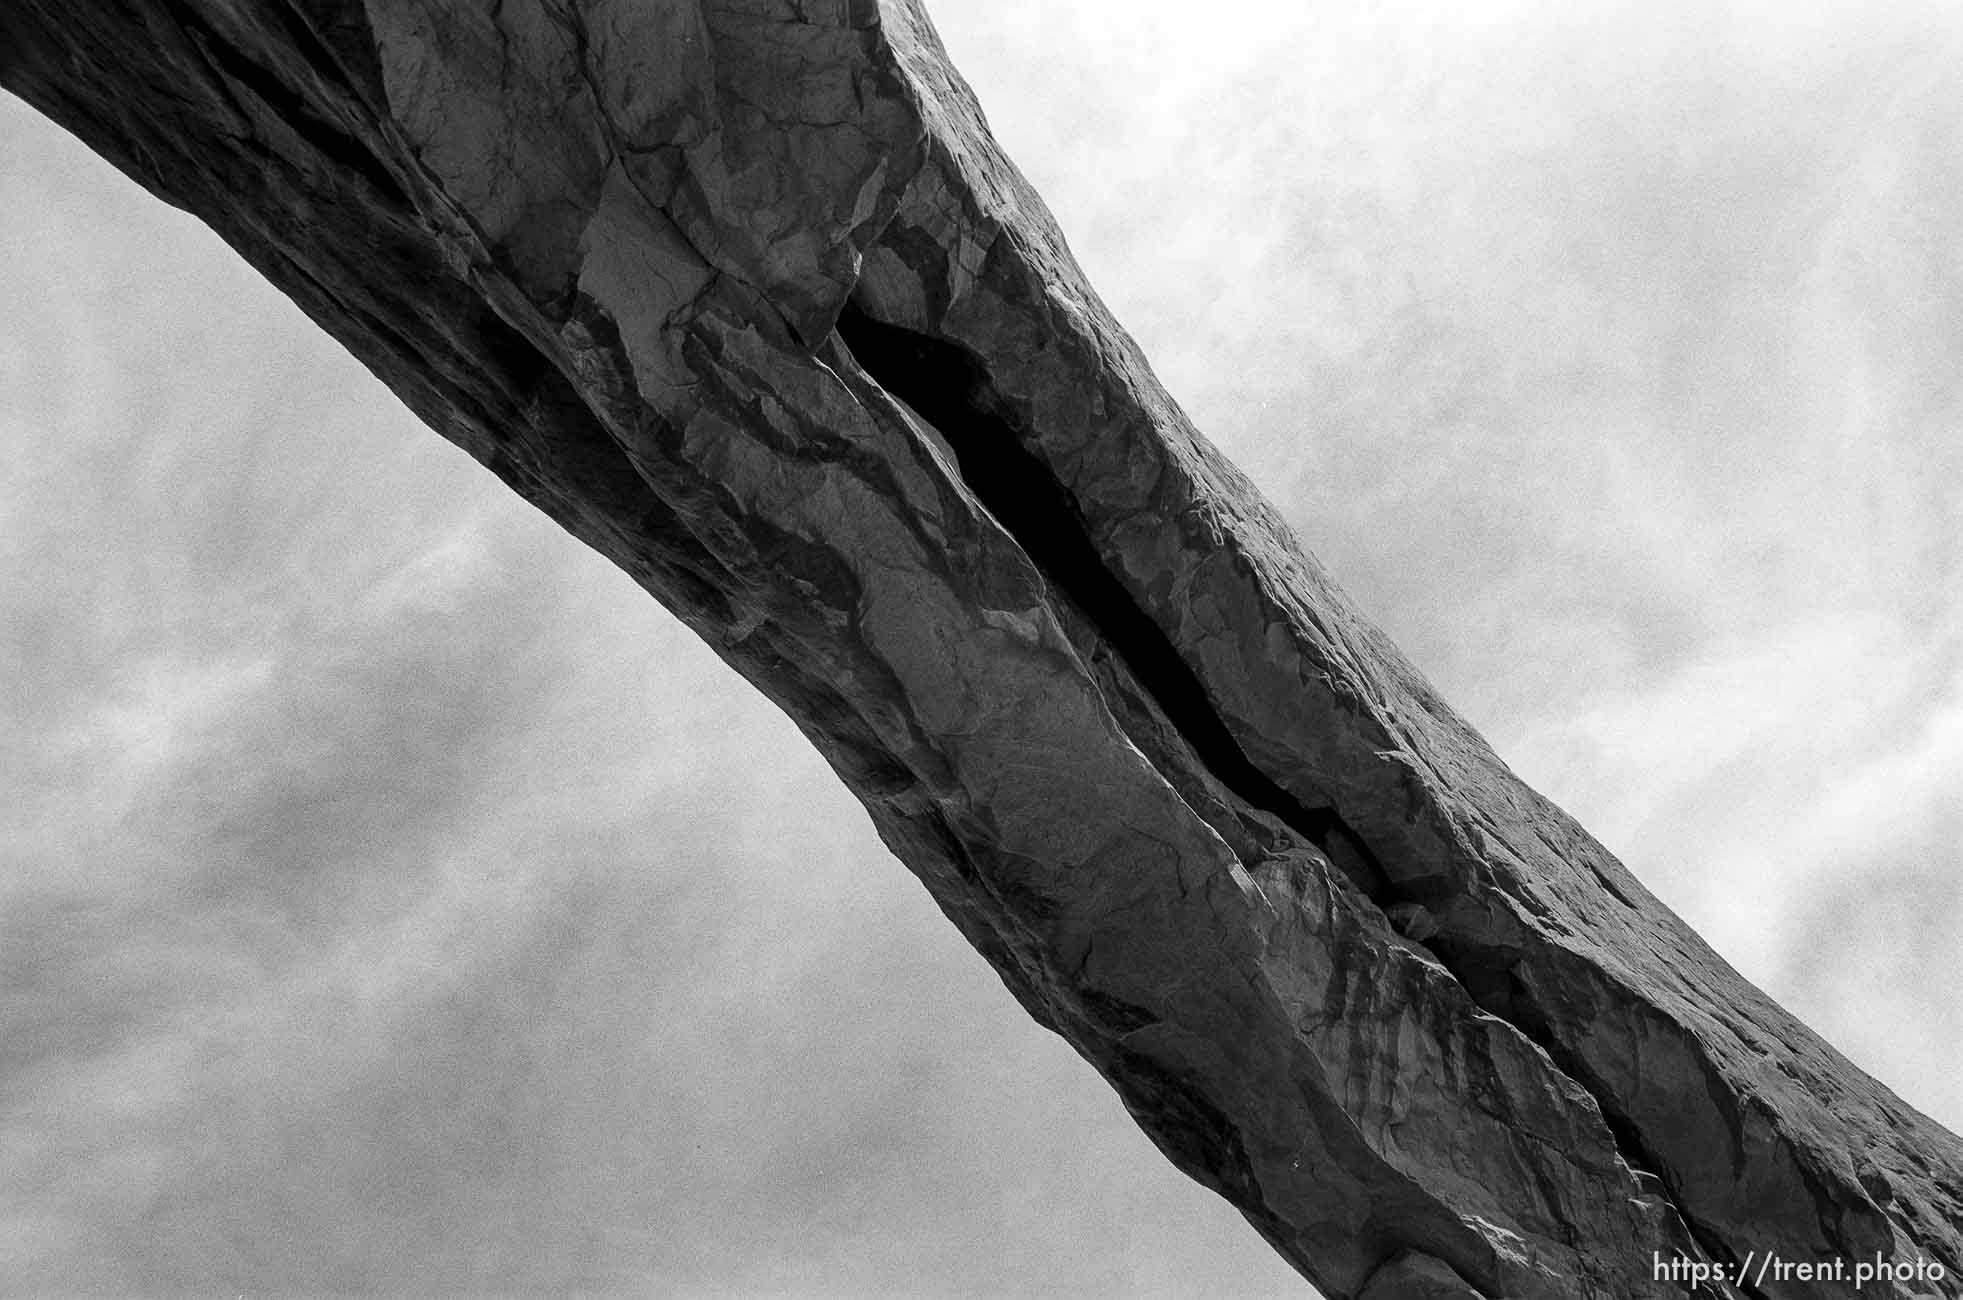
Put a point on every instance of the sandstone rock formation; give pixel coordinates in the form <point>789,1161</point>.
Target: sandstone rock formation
<point>742,294</point>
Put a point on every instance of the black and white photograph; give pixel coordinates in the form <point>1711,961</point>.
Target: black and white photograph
<point>938,650</point>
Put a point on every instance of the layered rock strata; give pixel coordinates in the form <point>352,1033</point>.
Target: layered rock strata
<point>743,295</point>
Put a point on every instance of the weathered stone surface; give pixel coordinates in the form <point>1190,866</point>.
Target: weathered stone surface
<point>1416,1277</point>
<point>743,294</point>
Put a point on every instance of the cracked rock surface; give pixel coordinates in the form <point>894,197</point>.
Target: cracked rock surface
<point>743,295</point>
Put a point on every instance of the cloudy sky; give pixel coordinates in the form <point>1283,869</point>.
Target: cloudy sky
<point>394,902</point>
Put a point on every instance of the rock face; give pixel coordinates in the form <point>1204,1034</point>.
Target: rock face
<point>742,294</point>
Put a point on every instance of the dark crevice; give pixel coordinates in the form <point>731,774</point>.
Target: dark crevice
<point>336,39</point>
<point>349,156</point>
<point>1502,994</point>
<point>948,387</point>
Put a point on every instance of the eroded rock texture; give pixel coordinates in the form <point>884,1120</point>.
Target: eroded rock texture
<point>742,293</point>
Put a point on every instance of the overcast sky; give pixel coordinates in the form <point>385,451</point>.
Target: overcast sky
<point>395,902</point>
